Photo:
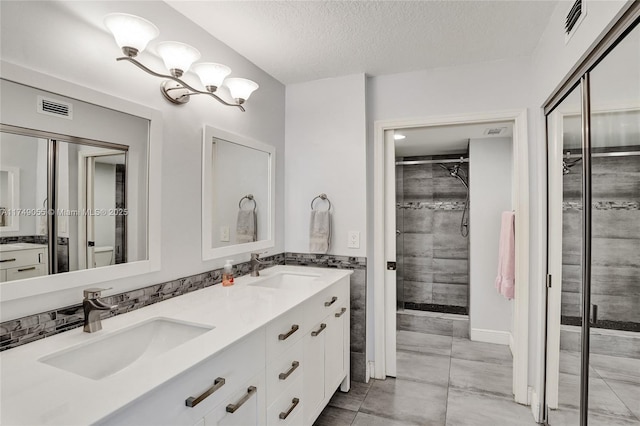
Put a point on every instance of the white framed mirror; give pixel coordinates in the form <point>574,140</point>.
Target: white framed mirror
<point>238,189</point>
<point>9,198</point>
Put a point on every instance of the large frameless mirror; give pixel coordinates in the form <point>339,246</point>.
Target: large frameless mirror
<point>67,202</point>
<point>238,189</point>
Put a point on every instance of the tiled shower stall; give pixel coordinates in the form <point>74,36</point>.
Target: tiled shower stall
<point>432,255</point>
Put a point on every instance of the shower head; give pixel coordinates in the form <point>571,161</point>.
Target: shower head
<point>567,165</point>
<point>456,172</point>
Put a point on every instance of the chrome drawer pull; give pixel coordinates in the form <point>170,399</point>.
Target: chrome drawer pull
<point>294,404</point>
<point>283,336</point>
<point>333,300</point>
<point>294,365</point>
<point>13,259</point>
<point>320,330</point>
<point>217,384</point>
<point>232,408</point>
<point>27,269</point>
<point>342,311</point>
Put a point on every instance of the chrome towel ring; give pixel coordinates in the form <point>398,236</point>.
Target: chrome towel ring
<point>322,197</point>
<point>250,198</point>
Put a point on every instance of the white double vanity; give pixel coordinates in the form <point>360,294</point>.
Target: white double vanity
<point>269,350</point>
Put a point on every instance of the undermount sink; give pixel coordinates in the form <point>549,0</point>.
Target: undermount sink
<point>286,281</point>
<point>124,348</point>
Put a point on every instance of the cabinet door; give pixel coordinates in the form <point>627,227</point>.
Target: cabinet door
<point>334,350</point>
<point>313,379</point>
<point>244,406</point>
<point>26,272</point>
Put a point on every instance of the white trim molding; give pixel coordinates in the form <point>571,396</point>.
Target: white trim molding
<point>492,336</point>
<point>383,317</point>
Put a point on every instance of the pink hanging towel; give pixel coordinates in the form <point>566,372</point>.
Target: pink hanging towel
<point>505,282</point>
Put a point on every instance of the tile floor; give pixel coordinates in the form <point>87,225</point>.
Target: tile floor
<point>614,391</point>
<point>441,380</point>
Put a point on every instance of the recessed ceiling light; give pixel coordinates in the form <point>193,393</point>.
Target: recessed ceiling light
<point>398,137</point>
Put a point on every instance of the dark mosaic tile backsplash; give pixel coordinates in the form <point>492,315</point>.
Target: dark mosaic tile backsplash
<point>24,330</point>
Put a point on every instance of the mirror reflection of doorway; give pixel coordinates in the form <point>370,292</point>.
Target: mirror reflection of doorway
<point>105,207</point>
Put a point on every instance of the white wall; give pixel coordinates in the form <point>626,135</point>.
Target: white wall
<point>490,171</point>
<point>80,50</point>
<point>326,153</point>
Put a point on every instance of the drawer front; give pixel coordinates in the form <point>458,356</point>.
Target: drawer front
<point>28,271</point>
<point>286,410</point>
<point>329,300</point>
<point>244,406</point>
<point>284,331</point>
<point>284,371</point>
<point>20,258</point>
<point>167,405</point>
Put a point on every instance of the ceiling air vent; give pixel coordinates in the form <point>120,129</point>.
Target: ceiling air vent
<point>575,15</point>
<point>55,108</point>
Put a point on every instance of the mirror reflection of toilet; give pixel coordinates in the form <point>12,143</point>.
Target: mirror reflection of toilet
<point>103,256</point>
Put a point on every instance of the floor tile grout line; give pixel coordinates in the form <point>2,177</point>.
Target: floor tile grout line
<point>620,399</point>
<point>446,400</point>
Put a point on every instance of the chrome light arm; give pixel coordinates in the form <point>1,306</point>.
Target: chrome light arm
<point>185,96</point>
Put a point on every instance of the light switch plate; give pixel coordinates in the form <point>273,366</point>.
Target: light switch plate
<point>353,239</point>
<point>224,233</point>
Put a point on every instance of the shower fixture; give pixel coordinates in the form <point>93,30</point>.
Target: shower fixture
<point>459,173</point>
<point>567,165</point>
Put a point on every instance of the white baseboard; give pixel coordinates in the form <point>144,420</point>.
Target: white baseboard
<point>369,371</point>
<point>511,343</point>
<point>491,336</point>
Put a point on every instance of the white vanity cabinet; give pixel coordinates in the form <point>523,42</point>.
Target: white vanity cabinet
<point>209,388</point>
<point>283,373</point>
<point>22,260</point>
<point>326,350</point>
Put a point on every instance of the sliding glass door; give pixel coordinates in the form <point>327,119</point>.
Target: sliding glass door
<point>593,294</point>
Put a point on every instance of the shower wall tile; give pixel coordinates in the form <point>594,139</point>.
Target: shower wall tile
<point>418,269</point>
<point>451,271</point>
<point>418,292</point>
<point>615,275</point>
<point>418,245</point>
<point>448,243</point>
<point>622,308</point>
<point>430,250</point>
<point>615,252</point>
<point>450,294</point>
<point>418,220</point>
<point>417,183</point>
<point>627,224</point>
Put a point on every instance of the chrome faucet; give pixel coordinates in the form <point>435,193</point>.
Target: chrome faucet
<point>92,306</point>
<point>255,264</point>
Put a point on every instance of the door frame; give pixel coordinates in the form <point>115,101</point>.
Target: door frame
<point>383,297</point>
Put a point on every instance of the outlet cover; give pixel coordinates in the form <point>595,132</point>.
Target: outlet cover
<point>353,239</point>
<point>224,233</point>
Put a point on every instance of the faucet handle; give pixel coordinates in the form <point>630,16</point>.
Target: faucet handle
<point>94,292</point>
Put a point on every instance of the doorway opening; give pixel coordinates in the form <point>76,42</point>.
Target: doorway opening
<point>427,192</point>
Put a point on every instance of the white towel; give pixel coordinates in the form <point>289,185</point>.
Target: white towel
<point>246,227</point>
<point>320,231</point>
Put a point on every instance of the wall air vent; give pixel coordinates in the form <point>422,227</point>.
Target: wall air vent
<point>55,108</point>
<point>574,17</point>
<point>495,131</point>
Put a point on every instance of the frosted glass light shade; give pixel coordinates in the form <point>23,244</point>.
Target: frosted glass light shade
<point>241,88</point>
<point>178,56</point>
<point>131,31</point>
<point>212,75</point>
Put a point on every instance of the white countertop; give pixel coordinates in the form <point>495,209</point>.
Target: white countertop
<point>34,393</point>
<point>20,246</point>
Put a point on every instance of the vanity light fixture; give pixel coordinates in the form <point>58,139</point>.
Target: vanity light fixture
<point>133,34</point>
<point>398,137</point>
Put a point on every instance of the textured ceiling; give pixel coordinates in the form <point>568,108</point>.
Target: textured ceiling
<point>298,41</point>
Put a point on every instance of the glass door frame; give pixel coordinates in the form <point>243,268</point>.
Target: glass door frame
<point>580,75</point>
